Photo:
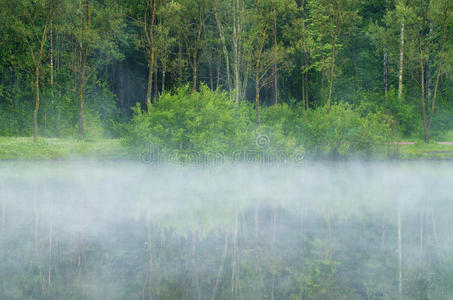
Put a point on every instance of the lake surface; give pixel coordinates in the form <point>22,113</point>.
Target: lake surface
<point>107,230</point>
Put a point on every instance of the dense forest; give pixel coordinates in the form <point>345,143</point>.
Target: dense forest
<point>350,74</point>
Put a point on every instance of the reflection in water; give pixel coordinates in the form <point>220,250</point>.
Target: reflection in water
<point>319,231</point>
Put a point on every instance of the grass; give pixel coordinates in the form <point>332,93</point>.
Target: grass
<point>422,150</point>
<point>24,148</point>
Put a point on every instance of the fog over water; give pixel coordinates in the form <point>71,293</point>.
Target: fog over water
<point>123,230</point>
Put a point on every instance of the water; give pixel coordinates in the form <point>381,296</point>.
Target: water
<point>81,230</point>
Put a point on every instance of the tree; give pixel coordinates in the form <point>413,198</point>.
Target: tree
<point>301,43</point>
<point>193,34</point>
<point>95,29</point>
<point>402,10</point>
<point>165,36</point>
<point>220,28</point>
<point>440,13</point>
<point>33,24</point>
<point>328,21</point>
<point>263,58</point>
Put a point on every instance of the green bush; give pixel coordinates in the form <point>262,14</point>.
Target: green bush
<point>16,120</point>
<point>343,132</point>
<point>196,126</point>
<point>191,126</point>
<point>406,116</point>
<point>280,123</point>
<point>442,126</point>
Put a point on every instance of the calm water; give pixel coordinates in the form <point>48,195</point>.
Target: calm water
<point>80,230</point>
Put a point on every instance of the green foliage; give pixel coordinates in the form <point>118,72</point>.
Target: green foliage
<point>343,131</point>
<point>194,125</point>
<point>16,119</point>
<point>443,122</point>
<point>197,125</point>
<point>405,114</point>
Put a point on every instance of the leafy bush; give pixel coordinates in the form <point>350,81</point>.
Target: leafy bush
<point>191,126</point>
<point>196,126</point>
<point>280,124</point>
<point>442,126</point>
<point>343,132</point>
<point>16,120</point>
<point>405,114</point>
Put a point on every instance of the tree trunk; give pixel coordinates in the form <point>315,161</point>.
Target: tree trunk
<point>400,81</point>
<point>257,101</point>
<point>156,89</point>
<point>439,68</point>
<point>211,80</point>
<point>429,79</point>
<point>332,70</point>
<point>304,104</point>
<point>180,62</point>
<point>422,89</point>
<point>386,87</point>
<point>195,51</point>
<point>149,90</point>
<point>236,48</point>
<point>81,108</point>
<point>258,80</point>
<point>307,100</point>
<point>51,65</point>
<point>218,74</point>
<point>121,88</point>
<point>37,65</point>
<point>35,111</point>
<point>323,92</point>
<point>164,71</point>
<point>225,51</point>
<point>149,32</point>
<point>275,67</point>
<point>83,76</point>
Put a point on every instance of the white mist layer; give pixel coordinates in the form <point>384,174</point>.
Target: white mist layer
<point>102,217</point>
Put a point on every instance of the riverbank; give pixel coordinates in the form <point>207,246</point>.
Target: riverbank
<point>24,148</point>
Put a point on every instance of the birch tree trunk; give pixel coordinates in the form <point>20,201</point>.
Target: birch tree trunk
<point>275,67</point>
<point>439,69</point>
<point>237,31</point>
<point>195,51</point>
<point>386,87</point>
<point>400,81</point>
<point>82,76</point>
<point>149,33</point>
<point>37,60</point>
<point>258,79</point>
<point>332,70</point>
<point>224,48</point>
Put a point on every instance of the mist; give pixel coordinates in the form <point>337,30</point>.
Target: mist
<point>116,230</point>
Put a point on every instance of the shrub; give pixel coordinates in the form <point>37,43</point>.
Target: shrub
<point>191,126</point>
<point>405,115</point>
<point>442,126</point>
<point>342,132</point>
<point>197,126</point>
